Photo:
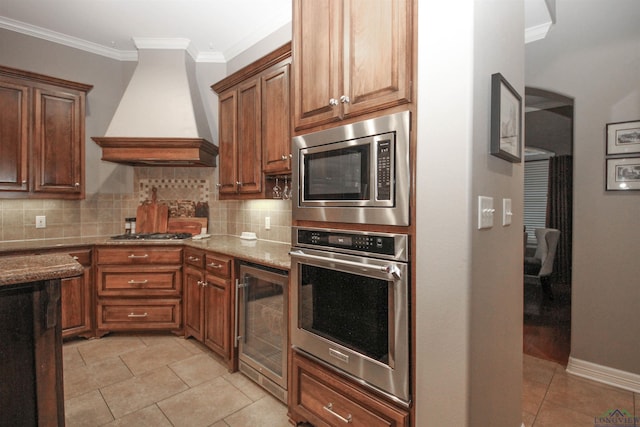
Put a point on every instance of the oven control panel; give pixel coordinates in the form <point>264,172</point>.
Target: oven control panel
<point>353,242</point>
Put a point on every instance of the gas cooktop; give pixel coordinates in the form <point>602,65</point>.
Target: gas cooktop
<point>153,236</point>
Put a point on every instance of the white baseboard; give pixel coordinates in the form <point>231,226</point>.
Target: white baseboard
<point>604,374</point>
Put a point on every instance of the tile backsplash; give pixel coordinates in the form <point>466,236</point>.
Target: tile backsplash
<point>103,214</point>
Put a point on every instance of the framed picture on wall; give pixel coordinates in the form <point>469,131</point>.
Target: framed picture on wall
<point>506,120</point>
<point>623,174</point>
<point>623,138</point>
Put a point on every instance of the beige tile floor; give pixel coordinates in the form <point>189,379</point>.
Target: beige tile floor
<point>553,398</point>
<point>159,380</point>
<point>164,380</point>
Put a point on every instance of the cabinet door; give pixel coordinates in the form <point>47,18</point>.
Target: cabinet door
<point>317,53</point>
<point>377,54</point>
<point>249,138</point>
<point>76,305</point>
<point>193,303</point>
<point>217,320</point>
<point>14,136</point>
<point>58,137</point>
<point>227,151</point>
<point>276,122</point>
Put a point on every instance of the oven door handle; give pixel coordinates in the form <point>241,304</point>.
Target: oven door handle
<point>391,269</point>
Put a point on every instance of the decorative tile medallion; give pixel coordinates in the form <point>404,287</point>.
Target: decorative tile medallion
<point>175,190</point>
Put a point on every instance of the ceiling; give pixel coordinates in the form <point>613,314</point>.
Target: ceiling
<point>214,30</point>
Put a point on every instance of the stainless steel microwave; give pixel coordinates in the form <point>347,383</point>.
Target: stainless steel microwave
<point>356,173</point>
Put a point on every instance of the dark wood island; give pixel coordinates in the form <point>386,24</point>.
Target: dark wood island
<point>31,388</point>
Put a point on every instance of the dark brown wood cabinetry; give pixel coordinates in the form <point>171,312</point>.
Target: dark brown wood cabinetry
<point>78,300</point>
<point>350,58</point>
<point>276,120</point>
<point>207,300</point>
<point>138,288</point>
<point>254,133</point>
<point>31,387</point>
<point>323,398</point>
<point>42,146</point>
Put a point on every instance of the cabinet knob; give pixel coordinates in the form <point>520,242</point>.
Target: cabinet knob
<point>333,102</point>
<point>218,185</point>
<point>239,183</point>
<point>284,157</point>
<point>24,181</point>
<point>77,184</point>
<point>345,99</point>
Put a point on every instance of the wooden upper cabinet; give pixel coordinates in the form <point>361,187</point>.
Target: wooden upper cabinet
<point>240,140</point>
<point>249,138</point>
<point>42,143</point>
<point>254,125</point>
<point>14,136</point>
<point>350,57</point>
<point>228,141</point>
<point>58,141</point>
<point>276,121</point>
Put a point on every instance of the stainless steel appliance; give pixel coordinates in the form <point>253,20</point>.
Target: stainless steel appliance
<point>357,173</point>
<point>350,305</point>
<point>261,337</point>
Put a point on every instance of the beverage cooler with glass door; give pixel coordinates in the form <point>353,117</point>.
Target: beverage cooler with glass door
<point>261,307</point>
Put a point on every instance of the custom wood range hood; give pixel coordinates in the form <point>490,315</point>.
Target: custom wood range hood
<point>160,120</point>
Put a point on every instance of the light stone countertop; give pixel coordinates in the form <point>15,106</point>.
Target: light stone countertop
<point>33,268</point>
<point>264,252</point>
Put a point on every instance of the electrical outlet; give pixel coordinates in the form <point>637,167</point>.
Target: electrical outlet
<point>267,223</point>
<point>41,221</point>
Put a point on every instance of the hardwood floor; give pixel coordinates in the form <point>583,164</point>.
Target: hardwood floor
<point>547,322</point>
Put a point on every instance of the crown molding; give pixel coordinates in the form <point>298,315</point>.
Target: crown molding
<point>63,39</point>
<point>537,32</point>
<point>140,42</point>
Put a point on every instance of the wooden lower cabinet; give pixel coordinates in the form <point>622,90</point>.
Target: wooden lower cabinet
<point>31,383</point>
<point>207,300</point>
<point>138,288</point>
<point>323,398</point>
<point>77,299</point>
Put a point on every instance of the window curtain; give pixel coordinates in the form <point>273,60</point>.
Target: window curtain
<point>559,213</point>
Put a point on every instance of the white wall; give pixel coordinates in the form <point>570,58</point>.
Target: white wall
<point>597,62</point>
<point>469,282</point>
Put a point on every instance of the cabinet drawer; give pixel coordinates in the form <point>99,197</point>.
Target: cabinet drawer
<point>218,265</point>
<point>139,281</point>
<point>114,314</point>
<point>194,258</point>
<point>139,255</point>
<point>83,256</point>
<point>326,399</point>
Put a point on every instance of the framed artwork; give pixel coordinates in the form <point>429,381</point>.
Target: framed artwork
<point>623,138</point>
<point>506,120</point>
<point>623,174</point>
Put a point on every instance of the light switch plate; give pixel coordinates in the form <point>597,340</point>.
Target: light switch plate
<point>485,212</point>
<point>506,212</point>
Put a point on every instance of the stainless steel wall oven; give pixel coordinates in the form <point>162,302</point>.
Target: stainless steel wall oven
<point>350,305</point>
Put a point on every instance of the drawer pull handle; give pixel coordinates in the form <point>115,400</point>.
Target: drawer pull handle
<point>137,315</point>
<point>132,256</point>
<point>214,265</point>
<point>193,258</point>
<point>329,409</point>
<point>137,282</point>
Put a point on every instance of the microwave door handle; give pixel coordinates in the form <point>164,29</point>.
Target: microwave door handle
<point>391,269</point>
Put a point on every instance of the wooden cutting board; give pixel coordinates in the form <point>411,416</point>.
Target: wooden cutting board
<point>186,225</point>
<point>152,217</point>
